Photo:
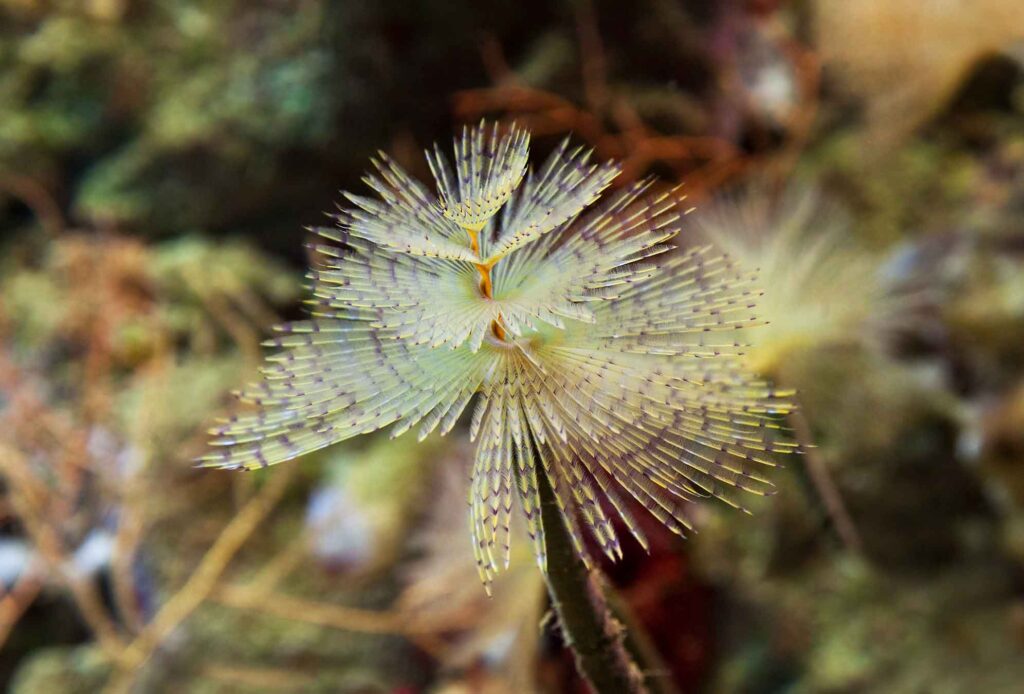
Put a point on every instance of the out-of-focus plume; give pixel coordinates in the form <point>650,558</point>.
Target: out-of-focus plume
<point>906,59</point>
<point>819,288</point>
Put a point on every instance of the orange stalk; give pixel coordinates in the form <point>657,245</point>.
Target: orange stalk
<point>474,240</point>
<point>486,286</point>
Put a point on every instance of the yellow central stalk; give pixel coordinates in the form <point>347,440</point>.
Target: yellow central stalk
<point>486,286</point>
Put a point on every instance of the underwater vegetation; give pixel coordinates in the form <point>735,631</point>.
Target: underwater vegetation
<point>856,168</point>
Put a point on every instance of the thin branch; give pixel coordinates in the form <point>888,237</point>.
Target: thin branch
<point>825,485</point>
<point>204,579</point>
<point>243,678</point>
<point>30,498</point>
<point>126,542</point>
<point>37,198</point>
<point>319,613</point>
<point>17,600</point>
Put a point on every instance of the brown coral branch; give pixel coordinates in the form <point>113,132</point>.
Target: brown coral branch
<point>703,162</point>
